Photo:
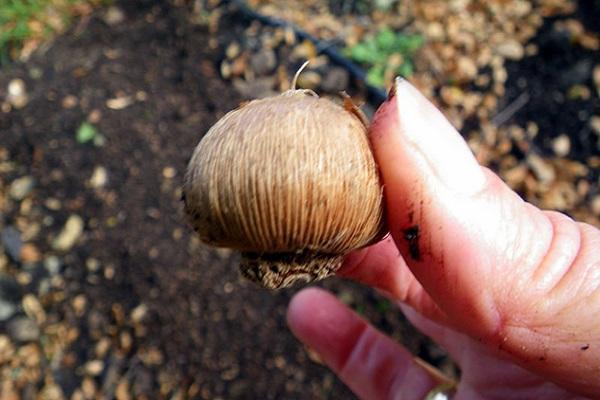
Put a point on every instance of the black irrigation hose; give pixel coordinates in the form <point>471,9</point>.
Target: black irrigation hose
<point>376,94</point>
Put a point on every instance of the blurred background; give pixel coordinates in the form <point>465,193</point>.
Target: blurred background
<point>104,291</point>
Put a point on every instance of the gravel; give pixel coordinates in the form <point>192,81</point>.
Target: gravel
<point>23,329</point>
<point>12,243</point>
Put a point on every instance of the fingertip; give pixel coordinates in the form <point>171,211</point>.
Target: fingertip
<point>371,364</point>
<point>300,308</point>
<point>385,120</point>
<point>322,322</point>
<point>409,133</point>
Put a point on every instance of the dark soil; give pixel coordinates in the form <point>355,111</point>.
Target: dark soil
<point>220,336</point>
<point>548,76</point>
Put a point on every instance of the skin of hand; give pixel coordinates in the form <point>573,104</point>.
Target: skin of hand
<point>510,291</point>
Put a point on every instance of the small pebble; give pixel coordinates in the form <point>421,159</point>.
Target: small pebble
<point>36,73</point>
<point>92,264</point>
<point>233,50</point>
<point>33,308</point>
<point>579,92</point>
<point>21,187</point>
<point>94,116</point>
<point>511,49</point>
<point>521,8</point>
<point>280,362</point>
<point>88,387</point>
<point>94,367</point>
<point>17,93</point>
<point>434,31</point>
<point>44,287</point>
<point>452,95</point>
<point>69,101</point>
<point>51,391</point>
<point>122,392</point>
<point>239,66</point>
<point>23,329</point>
<point>309,80</point>
<point>69,235</point>
<point>7,349</point>
<point>12,243</point>
<point>305,51</point>
<point>79,304</point>
<point>169,172</point>
<point>119,103</point>
<point>263,62</point>
<point>140,95</point>
<point>541,168</point>
<point>561,145</point>
<point>23,278</point>
<point>30,231</point>
<point>7,310</point>
<point>99,177</point>
<point>335,80</point>
<point>53,204</point>
<point>113,15</point>
<point>30,253</point>
<point>177,234</point>
<point>102,347</point>
<point>595,124</point>
<point>52,265</point>
<point>531,50</point>
<point>139,313</point>
<point>125,341</point>
<point>466,68</point>
<point>225,70</point>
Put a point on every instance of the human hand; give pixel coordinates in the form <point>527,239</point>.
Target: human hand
<point>510,291</point>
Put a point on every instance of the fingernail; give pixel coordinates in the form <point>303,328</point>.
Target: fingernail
<point>430,133</point>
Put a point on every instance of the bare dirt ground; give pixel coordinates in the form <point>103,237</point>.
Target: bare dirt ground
<point>135,304</point>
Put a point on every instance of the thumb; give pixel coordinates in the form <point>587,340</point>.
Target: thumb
<point>502,270</point>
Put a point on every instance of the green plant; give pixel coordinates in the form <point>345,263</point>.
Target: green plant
<point>14,22</point>
<point>35,20</point>
<point>88,133</point>
<point>388,53</point>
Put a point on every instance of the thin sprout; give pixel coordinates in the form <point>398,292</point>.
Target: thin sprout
<point>298,74</point>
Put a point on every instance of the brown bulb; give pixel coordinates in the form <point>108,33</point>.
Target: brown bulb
<point>290,181</point>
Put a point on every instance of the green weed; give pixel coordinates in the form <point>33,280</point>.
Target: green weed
<point>32,21</point>
<point>386,55</point>
<point>88,133</point>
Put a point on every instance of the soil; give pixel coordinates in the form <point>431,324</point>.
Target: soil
<point>218,336</point>
<point>547,77</point>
